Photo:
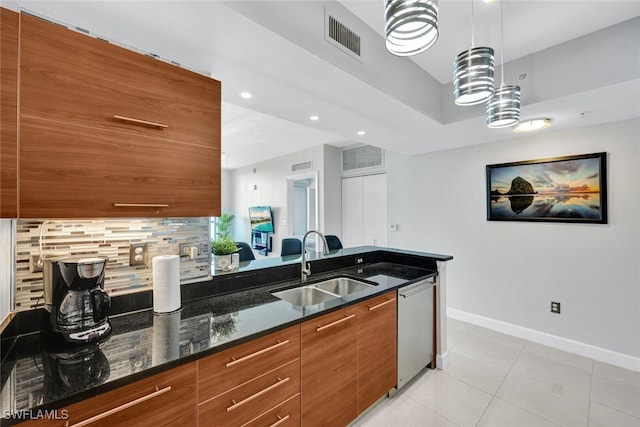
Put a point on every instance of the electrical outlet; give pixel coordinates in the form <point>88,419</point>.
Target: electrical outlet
<point>138,254</point>
<point>196,251</point>
<point>555,307</point>
<point>33,264</point>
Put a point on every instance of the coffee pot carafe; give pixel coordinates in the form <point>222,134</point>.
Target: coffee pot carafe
<point>75,298</point>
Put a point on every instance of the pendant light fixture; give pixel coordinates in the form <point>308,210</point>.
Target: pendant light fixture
<point>473,73</point>
<point>503,108</point>
<point>411,26</point>
<point>532,125</point>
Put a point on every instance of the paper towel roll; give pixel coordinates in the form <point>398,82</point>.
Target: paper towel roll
<point>166,283</point>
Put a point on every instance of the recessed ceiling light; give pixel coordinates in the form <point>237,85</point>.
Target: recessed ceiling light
<point>246,95</point>
<point>532,125</point>
<point>314,118</point>
<point>361,132</point>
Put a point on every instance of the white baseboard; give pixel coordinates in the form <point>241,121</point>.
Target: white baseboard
<point>442,360</point>
<point>560,343</point>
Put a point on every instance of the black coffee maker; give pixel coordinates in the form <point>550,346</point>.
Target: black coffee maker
<point>75,298</point>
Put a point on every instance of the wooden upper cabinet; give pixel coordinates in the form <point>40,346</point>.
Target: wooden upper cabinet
<point>65,173</point>
<point>377,352</point>
<point>8,113</point>
<point>108,132</point>
<point>70,77</point>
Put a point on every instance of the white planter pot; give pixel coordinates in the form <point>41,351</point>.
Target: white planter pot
<point>222,262</point>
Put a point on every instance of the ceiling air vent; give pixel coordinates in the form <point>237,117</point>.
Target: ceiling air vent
<point>301,166</point>
<point>363,157</point>
<point>341,36</point>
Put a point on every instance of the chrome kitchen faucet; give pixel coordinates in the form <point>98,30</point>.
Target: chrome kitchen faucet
<point>306,268</point>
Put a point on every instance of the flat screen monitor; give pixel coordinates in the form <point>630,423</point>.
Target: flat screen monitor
<point>261,219</point>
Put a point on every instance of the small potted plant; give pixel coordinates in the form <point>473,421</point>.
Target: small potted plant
<point>223,245</point>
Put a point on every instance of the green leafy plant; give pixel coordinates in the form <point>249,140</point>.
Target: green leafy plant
<point>223,225</point>
<point>223,244</point>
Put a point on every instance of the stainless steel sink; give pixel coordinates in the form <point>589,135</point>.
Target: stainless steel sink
<point>342,286</point>
<point>320,292</point>
<point>305,296</point>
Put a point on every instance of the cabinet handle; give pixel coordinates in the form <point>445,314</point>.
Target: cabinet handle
<point>377,306</point>
<point>280,420</point>
<point>258,394</point>
<point>140,205</point>
<point>98,417</point>
<point>257,353</point>
<point>347,317</point>
<point>140,122</point>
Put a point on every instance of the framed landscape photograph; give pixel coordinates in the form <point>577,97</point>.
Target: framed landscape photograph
<point>561,189</point>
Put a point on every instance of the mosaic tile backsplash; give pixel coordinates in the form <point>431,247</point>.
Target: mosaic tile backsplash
<point>110,238</point>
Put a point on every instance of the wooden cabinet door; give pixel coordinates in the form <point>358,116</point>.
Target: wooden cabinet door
<point>246,402</point>
<point>377,351</point>
<point>108,132</point>
<point>166,399</point>
<point>67,173</point>
<point>71,77</point>
<point>223,371</point>
<point>286,414</point>
<point>8,114</point>
<point>329,369</point>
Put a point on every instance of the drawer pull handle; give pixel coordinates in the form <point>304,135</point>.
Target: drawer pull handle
<point>140,205</point>
<point>377,306</point>
<point>140,122</point>
<point>280,421</point>
<point>258,394</point>
<point>139,400</point>
<point>257,353</point>
<point>322,328</point>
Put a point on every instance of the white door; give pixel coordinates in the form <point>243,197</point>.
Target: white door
<point>364,211</point>
<point>374,221</point>
<point>352,205</point>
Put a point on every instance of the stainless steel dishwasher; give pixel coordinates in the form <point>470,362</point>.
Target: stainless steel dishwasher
<point>415,329</point>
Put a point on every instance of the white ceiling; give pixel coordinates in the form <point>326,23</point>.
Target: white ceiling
<point>248,46</point>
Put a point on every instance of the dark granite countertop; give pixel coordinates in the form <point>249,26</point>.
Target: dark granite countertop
<point>35,375</point>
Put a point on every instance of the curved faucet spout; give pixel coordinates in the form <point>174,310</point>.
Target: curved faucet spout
<point>305,267</point>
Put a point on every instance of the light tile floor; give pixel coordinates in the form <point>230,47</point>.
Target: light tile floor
<point>495,380</point>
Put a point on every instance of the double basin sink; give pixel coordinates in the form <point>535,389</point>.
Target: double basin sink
<point>321,292</point>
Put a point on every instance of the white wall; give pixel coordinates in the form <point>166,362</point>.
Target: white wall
<point>511,271</point>
<point>331,196</point>
<point>268,186</point>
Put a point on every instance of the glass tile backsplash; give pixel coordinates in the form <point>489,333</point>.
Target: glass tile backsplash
<point>110,238</point>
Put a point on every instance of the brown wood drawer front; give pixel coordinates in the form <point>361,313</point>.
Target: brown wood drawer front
<point>247,402</point>
<point>329,368</point>
<point>8,114</point>
<point>68,76</point>
<point>231,368</point>
<point>67,173</point>
<point>286,414</point>
<point>166,399</point>
<point>377,348</point>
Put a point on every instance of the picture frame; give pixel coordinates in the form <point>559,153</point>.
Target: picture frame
<point>569,189</point>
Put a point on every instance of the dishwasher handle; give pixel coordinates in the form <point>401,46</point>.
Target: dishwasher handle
<point>414,289</point>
